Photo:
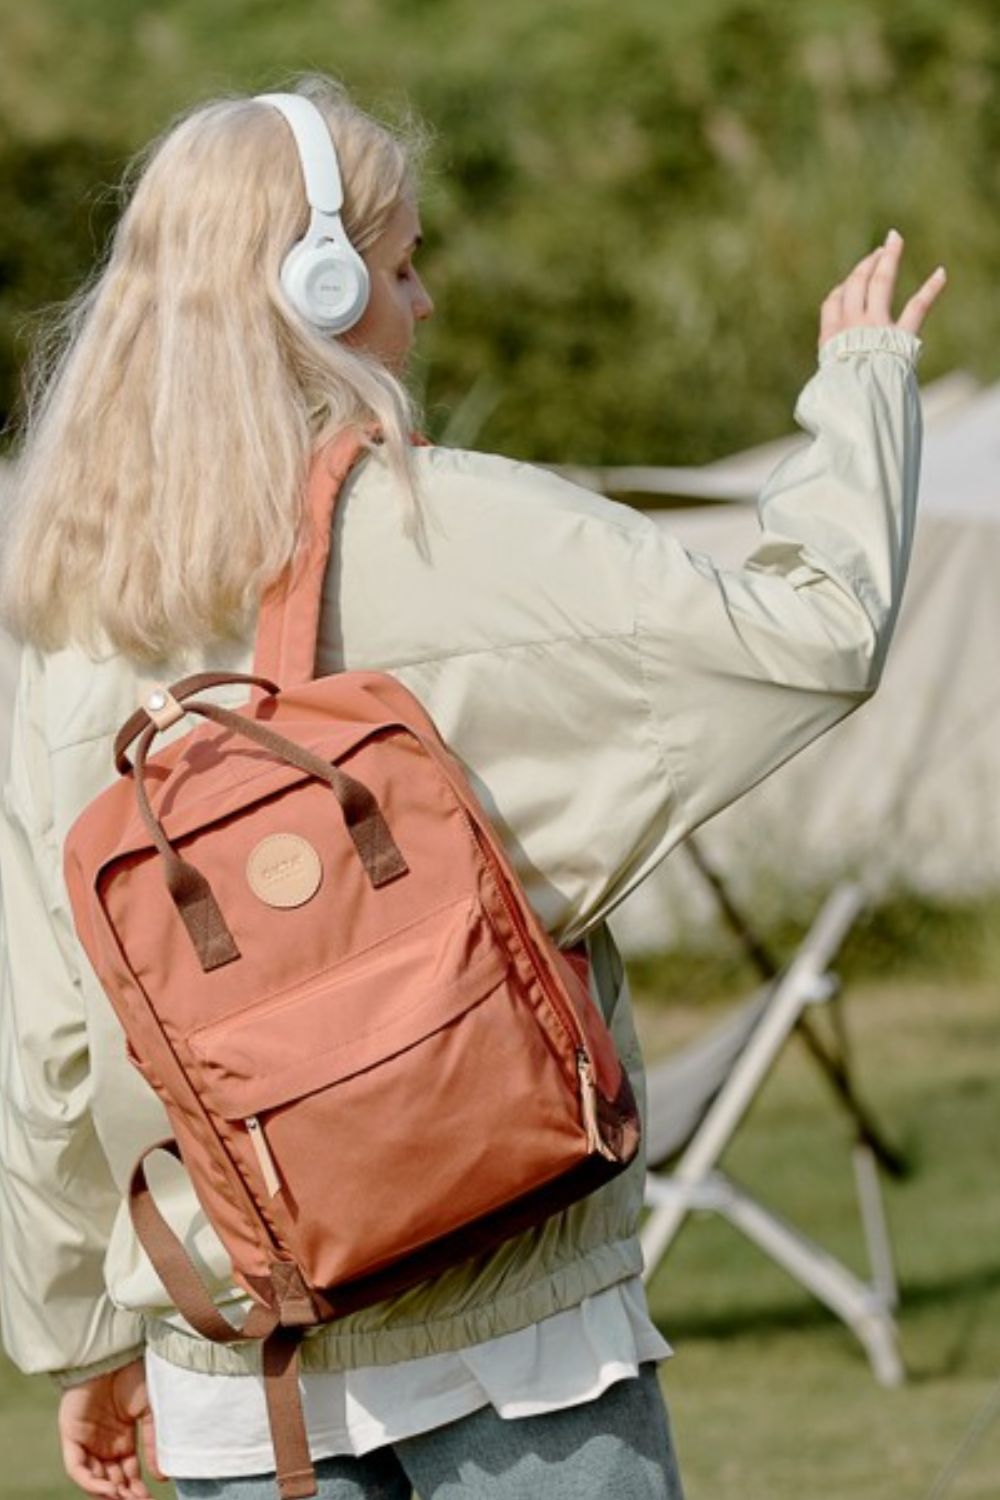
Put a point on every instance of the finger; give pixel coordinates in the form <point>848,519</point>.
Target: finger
<point>863,265</point>
<point>127,1486</point>
<point>115,1472</point>
<point>135,1487</point>
<point>882,286</point>
<point>147,1430</point>
<point>856,287</point>
<point>86,1472</point>
<point>923,300</point>
<point>831,314</point>
<point>100,1483</point>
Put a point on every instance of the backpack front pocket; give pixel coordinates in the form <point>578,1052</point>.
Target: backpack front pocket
<point>402,1094</point>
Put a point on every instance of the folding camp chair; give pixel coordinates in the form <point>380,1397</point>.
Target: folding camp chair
<point>697,1099</point>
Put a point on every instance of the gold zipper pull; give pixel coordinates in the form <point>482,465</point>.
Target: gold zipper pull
<point>262,1151</point>
<point>588,1101</point>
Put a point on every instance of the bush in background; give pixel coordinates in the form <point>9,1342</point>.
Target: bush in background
<point>633,211</point>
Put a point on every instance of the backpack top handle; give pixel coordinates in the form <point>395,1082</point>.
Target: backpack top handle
<point>189,890</point>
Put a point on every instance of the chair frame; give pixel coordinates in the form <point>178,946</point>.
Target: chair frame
<point>693,1182</point>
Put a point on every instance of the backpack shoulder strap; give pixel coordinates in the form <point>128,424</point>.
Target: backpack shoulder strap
<point>280,1327</point>
<point>289,613</point>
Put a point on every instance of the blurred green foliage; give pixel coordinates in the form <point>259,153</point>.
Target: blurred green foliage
<point>904,936</point>
<point>632,209</point>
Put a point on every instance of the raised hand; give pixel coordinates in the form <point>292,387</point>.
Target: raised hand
<point>864,298</point>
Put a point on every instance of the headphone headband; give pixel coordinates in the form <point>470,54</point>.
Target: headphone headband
<point>317,156</point>
<point>323,276</point>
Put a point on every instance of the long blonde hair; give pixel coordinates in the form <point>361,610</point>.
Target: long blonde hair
<point>173,418</point>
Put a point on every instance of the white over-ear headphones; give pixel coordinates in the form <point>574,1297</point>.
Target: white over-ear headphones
<point>323,276</point>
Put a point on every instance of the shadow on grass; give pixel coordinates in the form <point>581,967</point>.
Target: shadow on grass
<point>971,1292</point>
<point>964,1293</point>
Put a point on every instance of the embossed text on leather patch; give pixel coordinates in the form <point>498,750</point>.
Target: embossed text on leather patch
<point>284,870</point>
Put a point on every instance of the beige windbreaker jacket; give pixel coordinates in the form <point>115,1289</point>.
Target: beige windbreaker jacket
<point>608,692</point>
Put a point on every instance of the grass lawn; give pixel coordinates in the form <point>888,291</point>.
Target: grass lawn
<point>771,1398</point>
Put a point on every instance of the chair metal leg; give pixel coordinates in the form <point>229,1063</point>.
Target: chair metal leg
<point>858,1304</point>
<point>875,1225</point>
<point>694,1183</point>
<point>669,1205</point>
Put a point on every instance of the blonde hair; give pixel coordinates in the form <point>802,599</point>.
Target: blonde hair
<point>176,409</point>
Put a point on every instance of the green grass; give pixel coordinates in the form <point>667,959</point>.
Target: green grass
<point>771,1397</point>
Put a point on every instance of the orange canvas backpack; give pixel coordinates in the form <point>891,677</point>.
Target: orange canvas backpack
<point>374,1060</point>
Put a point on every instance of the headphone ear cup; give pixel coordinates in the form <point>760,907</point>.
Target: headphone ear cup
<point>327,284</point>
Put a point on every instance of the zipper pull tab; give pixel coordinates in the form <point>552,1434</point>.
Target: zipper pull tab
<point>588,1102</point>
<point>262,1151</point>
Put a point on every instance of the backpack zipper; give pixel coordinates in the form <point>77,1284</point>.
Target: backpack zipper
<point>262,1151</point>
<point>588,1100</point>
<point>571,1021</point>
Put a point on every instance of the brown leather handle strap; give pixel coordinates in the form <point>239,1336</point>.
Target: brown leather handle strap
<point>363,817</point>
<point>177,1270</point>
<point>198,682</point>
<point>190,891</point>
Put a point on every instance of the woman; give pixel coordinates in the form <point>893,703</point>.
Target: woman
<point>606,691</point>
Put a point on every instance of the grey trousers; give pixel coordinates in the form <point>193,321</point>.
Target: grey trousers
<point>615,1448</point>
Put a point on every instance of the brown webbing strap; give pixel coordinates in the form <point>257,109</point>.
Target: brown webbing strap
<point>177,1270</point>
<point>280,1359</point>
<point>279,1351</point>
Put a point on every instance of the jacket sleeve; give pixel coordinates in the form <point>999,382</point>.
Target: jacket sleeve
<point>724,674</point>
<point>57,1197</point>
<point>744,668</point>
<point>608,690</point>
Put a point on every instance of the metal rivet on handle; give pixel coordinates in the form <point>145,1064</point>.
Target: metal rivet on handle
<point>162,707</point>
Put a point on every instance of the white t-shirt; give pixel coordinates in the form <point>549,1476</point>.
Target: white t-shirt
<point>213,1426</point>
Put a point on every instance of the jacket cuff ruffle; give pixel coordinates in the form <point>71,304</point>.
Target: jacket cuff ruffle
<point>865,339</point>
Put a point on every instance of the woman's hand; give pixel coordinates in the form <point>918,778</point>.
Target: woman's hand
<point>97,1431</point>
<point>864,299</point>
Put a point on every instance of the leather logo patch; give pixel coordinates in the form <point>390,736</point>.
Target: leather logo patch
<point>284,870</point>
